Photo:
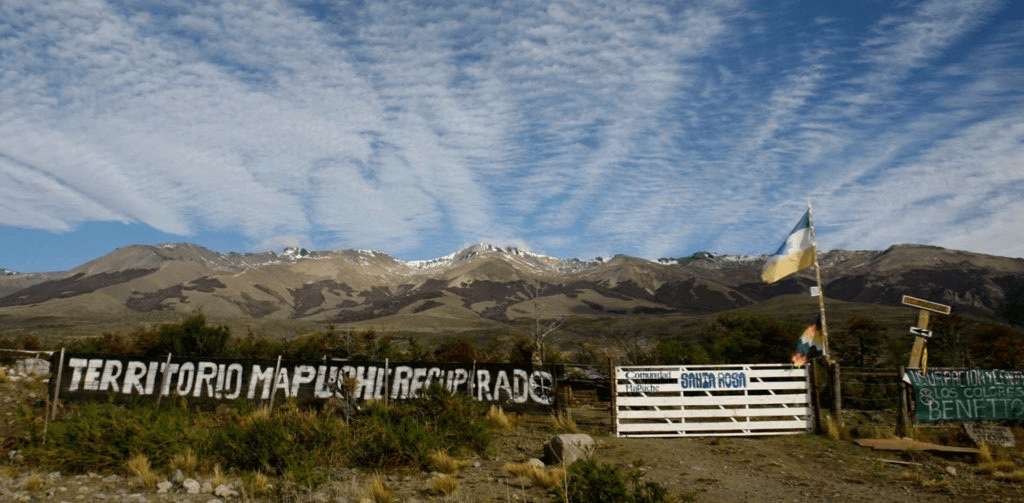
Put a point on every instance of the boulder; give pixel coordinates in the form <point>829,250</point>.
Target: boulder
<point>568,448</point>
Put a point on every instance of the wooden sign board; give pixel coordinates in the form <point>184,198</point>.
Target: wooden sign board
<point>926,304</point>
<point>988,434</point>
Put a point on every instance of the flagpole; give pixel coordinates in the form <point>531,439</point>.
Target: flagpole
<point>821,289</point>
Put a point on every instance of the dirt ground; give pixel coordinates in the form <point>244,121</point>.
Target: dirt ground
<point>794,468</point>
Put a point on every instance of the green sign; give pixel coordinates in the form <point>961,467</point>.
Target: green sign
<point>967,395</point>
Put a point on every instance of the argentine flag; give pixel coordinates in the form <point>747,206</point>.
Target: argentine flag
<point>796,254</point>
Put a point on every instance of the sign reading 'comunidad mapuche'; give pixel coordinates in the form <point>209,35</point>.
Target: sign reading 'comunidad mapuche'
<point>84,377</point>
<point>968,395</point>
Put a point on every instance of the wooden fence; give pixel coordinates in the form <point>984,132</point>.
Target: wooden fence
<point>711,400</point>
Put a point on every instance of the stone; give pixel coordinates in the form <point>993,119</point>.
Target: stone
<point>951,471</point>
<point>191,486</point>
<point>225,491</point>
<point>535,462</point>
<point>207,487</point>
<point>568,448</point>
<point>177,477</point>
<point>164,486</point>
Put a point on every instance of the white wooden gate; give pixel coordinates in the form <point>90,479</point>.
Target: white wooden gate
<point>704,400</point>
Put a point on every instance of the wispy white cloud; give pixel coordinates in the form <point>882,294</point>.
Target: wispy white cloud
<point>580,127</point>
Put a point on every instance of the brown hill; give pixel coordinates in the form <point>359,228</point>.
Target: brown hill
<point>477,288</point>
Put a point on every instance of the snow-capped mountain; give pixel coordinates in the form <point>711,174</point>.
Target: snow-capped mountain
<point>482,285</point>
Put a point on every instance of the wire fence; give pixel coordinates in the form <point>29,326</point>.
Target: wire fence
<point>869,389</point>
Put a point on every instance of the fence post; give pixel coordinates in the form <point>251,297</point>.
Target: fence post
<point>613,410</point>
<point>902,418</point>
<point>815,396</point>
<point>164,379</point>
<point>837,394</point>
<point>273,389</point>
<point>56,389</point>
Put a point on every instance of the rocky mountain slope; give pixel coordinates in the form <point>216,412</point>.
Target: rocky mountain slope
<point>484,285</point>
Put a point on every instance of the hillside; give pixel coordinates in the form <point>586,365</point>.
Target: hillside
<point>479,288</point>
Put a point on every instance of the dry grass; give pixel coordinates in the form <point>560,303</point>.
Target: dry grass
<point>379,491</point>
<point>259,415</point>
<point>3,375</point>
<point>992,467</point>
<point>923,481</point>
<point>33,483</point>
<point>563,422</point>
<point>935,484</point>
<point>1014,476</point>
<point>218,477</point>
<point>831,427</point>
<point>985,454</point>
<point>259,484</point>
<point>442,485</point>
<point>138,466</point>
<point>440,461</point>
<point>186,462</point>
<point>497,419</point>
<point>546,478</point>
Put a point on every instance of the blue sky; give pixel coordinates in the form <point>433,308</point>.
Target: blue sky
<point>575,129</point>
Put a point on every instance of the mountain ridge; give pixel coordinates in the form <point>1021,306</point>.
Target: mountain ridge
<point>483,285</point>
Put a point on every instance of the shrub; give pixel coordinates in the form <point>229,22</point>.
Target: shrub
<point>287,442</point>
<point>406,433</point>
<point>588,480</point>
<point>192,338</point>
<point>103,436</point>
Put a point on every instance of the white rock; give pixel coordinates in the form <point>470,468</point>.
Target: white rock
<point>225,491</point>
<point>164,486</point>
<point>191,486</point>
<point>569,447</point>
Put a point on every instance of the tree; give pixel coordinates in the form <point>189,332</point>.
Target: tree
<point>192,338</point>
<point>947,347</point>
<point>541,328</point>
<point>745,338</point>
<point>997,346</point>
<point>861,344</point>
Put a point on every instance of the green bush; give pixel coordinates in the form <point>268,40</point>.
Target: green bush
<point>102,436</point>
<point>406,433</point>
<point>286,442</point>
<point>588,481</point>
<point>192,337</point>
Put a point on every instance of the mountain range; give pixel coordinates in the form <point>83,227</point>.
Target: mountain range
<point>481,287</point>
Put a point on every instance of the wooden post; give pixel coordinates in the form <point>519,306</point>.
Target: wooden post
<point>917,354</point>
<point>164,380</point>
<point>902,418</point>
<point>837,392</point>
<point>273,389</point>
<point>56,389</point>
<point>815,398</point>
<point>612,385</point>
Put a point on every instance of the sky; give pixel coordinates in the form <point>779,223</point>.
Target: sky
<point>575,129</point>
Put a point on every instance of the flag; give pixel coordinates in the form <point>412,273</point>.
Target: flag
<point>796,254</point>
<point>810,345</point>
